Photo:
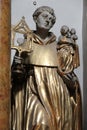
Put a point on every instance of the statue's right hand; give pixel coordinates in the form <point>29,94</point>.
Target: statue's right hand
<point>18,60</point>
<point>18,69</point>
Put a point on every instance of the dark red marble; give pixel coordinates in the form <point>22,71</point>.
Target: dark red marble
<point>5,63</point>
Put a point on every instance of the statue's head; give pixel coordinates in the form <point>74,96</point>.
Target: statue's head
<point>44,17</point>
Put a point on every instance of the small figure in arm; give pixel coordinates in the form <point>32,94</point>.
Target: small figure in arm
<point>68,60</point>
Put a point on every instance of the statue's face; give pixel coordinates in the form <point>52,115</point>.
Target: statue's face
<point>44,20</point>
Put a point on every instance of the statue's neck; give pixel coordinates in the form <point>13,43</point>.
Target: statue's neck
<point>42,33</point>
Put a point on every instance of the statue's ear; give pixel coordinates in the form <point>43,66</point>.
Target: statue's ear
<point>35,19</point>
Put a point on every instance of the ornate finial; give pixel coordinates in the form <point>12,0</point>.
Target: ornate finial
<point>23,17</point>
<point>21,28</point>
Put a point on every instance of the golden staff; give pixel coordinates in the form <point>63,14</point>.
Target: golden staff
<point>21,28</point>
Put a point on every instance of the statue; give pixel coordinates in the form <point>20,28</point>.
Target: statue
<point>41,99</point>
<point>68,60</point>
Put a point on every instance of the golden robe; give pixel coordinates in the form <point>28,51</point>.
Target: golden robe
<point>42,101</point>
<point>68,60</point>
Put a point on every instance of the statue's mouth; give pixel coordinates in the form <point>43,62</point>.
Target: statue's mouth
<point>47,23</point>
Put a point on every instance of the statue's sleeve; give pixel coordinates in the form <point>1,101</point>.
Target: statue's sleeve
<point>65,59</point>
<point>76,59</point>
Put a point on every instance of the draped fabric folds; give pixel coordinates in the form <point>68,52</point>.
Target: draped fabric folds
<point>42,101</point>
<point>47,102</point>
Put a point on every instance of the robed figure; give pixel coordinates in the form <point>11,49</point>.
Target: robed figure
<point>40,97</point>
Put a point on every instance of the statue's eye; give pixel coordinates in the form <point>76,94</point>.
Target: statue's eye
<point>45,15</point>
<point>50,18</point>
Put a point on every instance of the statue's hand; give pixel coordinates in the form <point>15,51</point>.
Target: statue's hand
<point>18,69</point>
<point>18,60</point>
<point>74,79</point>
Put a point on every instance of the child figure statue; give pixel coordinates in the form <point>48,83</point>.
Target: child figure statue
<point>68,61</point>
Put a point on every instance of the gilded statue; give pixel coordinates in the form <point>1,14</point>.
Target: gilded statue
<point>68,61</point>
<point>44,88</point>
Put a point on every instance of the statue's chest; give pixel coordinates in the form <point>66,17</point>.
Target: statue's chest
<point>44,55</point>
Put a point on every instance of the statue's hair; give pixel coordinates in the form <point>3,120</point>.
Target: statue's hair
<point>39,10</point>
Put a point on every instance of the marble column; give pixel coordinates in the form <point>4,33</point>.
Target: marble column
<point>5,64</point>
<point>84,64</point>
